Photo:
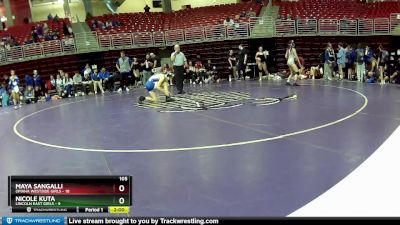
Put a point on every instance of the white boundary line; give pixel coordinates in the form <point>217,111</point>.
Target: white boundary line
<point>206,147</point>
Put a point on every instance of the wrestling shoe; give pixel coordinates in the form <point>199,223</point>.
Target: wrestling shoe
<point>141,99</point>
<point>169,99</point>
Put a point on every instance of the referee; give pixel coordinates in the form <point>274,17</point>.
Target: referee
<point>179,61</point>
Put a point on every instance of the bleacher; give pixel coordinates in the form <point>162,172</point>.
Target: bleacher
<point>337,9</point>
<point>22,32</point>
<point>186,18</point>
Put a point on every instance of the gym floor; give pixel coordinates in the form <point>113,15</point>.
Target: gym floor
<point>245,159</point>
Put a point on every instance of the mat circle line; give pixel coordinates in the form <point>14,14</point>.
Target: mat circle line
<point>205,147</point>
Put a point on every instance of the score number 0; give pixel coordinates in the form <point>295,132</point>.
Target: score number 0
<point>121,188</point>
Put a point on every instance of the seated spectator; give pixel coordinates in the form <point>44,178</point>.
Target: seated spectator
<point>39,30</point>
<point>45,29</point>
<point>316,72</point>
<point>213,76</point>
<point>115,23</point>
<point>51,84</point>
<point>393,72</point>
<point>29,95</point>
<point>106,79</point>
<point>59,85</point>
<point>109,25</point>
<point>35,36</point>
<point>96,79</point>
<point>77,82</point>
<point>87,70</point>
<point>67,83</point>
<point>28,41</point>
<point>39,94</point>
<point>229,22</point>
<point>87,82</point>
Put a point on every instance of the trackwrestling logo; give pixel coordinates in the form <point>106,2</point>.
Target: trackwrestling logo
<point>210,100</point>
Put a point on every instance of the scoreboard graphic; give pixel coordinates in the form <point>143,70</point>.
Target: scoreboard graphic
<point>75,194</point>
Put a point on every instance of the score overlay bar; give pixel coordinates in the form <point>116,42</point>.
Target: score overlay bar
<point>69,191</point>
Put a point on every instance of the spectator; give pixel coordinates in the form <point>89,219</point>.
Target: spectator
<point>52,83</point>
<point>78,85</point>
<point>88,84</point>
<point>147,68</point>
<point>146,9</point>
<point>329,57</point>
<point>228,22</point>
<point>360,66</point>
<point>50,17</point>
<point>394,71</point>
<point>28,41</point>
<point>156,63</point>
<point>39,30</point>
<point>67,86</point>
<point>4,95</point>
<point>56,18</point>
<point>124,66</point>
<point>29,81</point>
<point>59,84</point>
<point>87,70</point>
<point>136,73</point>
<point>35,36</point>
<point>232,65</point>
<point>106,81</point>
<point>96,79</point>
<point>242,62</point>
<point>45,29</point>
<point>109,25</point>
<point>383,60</point>
<point>39,94</point>
<point>370,59</point>
<point>350,60</point>
<point>29,95</point>
<point>341,60</point>
<point>38,82</point>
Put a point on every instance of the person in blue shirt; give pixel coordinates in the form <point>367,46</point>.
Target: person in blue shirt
<point>341,59</point>
<point>29,81</point>
<point>96,78</point>
<point>14,88</point>
<point>107,80</point>
<point>38,81</point>
<point>360,63</point>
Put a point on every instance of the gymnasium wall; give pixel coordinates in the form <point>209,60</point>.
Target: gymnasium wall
<point>138,5</point>
<point>40,12</point>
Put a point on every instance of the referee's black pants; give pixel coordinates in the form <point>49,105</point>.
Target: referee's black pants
<point>178,70</point>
